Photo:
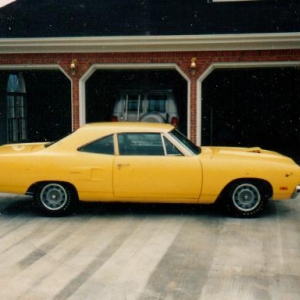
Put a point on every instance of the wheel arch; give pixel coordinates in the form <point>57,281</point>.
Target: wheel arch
<point>264,185</point>
<point>32,189</point>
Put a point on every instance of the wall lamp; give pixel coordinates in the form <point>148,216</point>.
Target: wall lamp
<point>193,65</point>
<point>73,66</point>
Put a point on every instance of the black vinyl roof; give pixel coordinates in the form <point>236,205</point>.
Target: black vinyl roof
<point>96,18</point>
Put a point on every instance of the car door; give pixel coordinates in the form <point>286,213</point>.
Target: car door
<point>143,171</point>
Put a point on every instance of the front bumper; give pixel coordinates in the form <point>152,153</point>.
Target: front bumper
<point>296,192</point>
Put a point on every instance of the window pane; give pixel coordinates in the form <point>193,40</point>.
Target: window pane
<point>140,144</point>
<point>102,146</point>
<point>156,105</point>
<point>16,109</point>
<point>157,102</point>
<point>133,105</point>
<point>185,141</point>
<point>171,149</point>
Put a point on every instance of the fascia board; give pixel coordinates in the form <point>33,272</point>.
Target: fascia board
<point>220,42</point>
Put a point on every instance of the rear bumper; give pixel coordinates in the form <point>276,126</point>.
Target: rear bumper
<point>296,192</point>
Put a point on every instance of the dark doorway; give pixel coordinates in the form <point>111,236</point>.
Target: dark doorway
<point>49,105</point>
<point>103,87</point>
<point>48,100</point>
<point>253,107</point>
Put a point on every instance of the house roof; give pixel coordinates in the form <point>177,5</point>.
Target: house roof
<point>116,18</point>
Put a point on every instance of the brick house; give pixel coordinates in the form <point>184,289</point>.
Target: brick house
<point>233,66</point>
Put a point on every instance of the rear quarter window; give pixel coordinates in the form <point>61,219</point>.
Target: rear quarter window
<point>102,146</point>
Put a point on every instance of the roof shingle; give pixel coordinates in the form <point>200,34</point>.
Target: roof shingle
<point>77,18</point>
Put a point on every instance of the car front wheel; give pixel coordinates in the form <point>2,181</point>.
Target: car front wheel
<point>246,199</point>
<point>54,199</point>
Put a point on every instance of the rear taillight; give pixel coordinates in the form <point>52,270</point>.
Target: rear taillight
<point>174,121</point>
<point>114,119</point>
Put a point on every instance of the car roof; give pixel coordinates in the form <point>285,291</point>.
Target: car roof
<point>93,131</point>
<point>128,127</point>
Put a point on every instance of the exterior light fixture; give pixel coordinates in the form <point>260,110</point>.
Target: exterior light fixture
<point>73,66</point>
<point>193,65</point>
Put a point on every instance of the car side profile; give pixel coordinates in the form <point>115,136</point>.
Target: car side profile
<point>144,162</point>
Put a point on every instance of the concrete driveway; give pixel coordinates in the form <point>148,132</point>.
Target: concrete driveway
<point>148,252</point>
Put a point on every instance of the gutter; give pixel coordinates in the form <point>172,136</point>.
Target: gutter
<point>214,42</point>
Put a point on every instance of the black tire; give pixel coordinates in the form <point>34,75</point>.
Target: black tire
<point>54,199</point>
<point>246,199</point>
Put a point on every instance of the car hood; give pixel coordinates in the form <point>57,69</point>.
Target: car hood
<point>21,148</point>
<point>254,152</point>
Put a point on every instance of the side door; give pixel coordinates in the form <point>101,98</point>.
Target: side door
<point>145,170</point>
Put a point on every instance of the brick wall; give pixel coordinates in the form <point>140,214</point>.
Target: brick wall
<point>181,59</point>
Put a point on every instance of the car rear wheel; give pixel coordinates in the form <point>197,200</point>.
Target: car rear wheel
<point>246,199</point>
<point>54,198</point>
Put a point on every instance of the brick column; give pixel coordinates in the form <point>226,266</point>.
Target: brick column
<point>193,108</point>
<point>75,103</point>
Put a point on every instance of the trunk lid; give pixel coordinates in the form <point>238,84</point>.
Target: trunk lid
<point>22,148</point>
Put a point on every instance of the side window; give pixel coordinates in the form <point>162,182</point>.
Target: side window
<point>149,144</point>
<point>171,149</point>
<point>102,146</point>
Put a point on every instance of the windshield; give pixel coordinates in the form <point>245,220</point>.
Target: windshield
<point>182,139</point>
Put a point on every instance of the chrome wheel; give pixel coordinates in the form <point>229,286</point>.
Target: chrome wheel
<point>246,197</point>
<point>53,196</point>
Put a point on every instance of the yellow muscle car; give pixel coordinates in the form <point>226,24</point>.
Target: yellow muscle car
<point>144,162</point>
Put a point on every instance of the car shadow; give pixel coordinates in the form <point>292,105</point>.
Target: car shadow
<point>16,206</point>
<point>13,205</point>
<point>274,209</point>
<point>140,209</point>
<point>22,206</point>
